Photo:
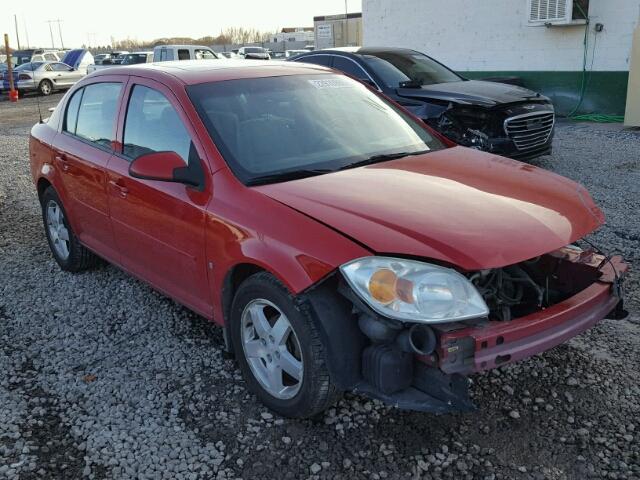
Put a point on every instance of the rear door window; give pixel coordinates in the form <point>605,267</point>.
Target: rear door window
<point>202,54</point>
<point>60,67</point>
<point>183,54</point>
<point>153,125</point>
<point>97,113</point>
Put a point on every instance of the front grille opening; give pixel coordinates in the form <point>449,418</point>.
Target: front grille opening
<point>530,130</point>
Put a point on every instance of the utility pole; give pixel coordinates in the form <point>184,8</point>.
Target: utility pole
<point>26,32</point>
<point>346,23</point>
<point>60,32</point>
<point>51,33</point>
<point>13,93</point>
<point>15,20</point>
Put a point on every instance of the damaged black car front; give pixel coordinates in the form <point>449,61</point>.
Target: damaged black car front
<point>494,117</point>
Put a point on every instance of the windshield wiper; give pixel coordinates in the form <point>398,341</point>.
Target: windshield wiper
<point>285,176</point>
<point>382,158</point>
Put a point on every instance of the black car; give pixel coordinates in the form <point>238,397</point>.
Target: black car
<point>495,117</point>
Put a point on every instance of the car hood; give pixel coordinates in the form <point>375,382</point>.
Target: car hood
<point>460,206</point>
<point>473,92</point>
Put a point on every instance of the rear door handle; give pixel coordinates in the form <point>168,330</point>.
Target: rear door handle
<point>122,190</point>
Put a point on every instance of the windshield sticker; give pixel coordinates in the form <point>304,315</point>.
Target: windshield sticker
<point>330,83</point>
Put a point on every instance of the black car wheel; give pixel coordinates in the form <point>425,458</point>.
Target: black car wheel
<point>279,349</point>
<point>67,251</point>
<point>45,87</point>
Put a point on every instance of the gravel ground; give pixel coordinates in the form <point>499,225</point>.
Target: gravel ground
<point>104,378</point>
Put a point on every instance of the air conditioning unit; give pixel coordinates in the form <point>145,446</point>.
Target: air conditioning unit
<point>557,12</point>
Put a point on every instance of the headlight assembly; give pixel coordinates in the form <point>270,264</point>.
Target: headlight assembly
<point>414,291</point>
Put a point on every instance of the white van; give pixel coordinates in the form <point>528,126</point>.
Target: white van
<point>165,53</point>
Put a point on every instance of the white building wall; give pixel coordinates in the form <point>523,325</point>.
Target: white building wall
<point>493,35</point>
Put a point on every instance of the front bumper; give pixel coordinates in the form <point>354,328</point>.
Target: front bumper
<point>493,344</point>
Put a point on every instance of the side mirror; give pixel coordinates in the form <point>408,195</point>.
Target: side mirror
<point>164,167</point>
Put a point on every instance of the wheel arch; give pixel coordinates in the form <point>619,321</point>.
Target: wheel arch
<point>41,185</point>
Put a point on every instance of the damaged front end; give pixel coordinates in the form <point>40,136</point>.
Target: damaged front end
<point>532,306</point>
<point>518,131</point>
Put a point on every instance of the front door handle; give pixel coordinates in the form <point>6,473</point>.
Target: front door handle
<point>62,159</point>
<point>122,190</point>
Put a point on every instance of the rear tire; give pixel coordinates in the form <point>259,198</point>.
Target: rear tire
<point>45,87</point>
<point>67,251</point>
<point>266,363</point>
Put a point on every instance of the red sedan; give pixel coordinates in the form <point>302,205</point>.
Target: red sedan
<point>341,243</point>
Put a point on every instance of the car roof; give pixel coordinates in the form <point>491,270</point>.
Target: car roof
<point>181,46</point>
<point>363,50</point>
<point>191,72</point>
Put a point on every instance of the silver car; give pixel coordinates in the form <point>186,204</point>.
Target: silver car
<point>44,77</point>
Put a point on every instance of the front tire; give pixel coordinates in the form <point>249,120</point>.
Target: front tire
<point>279,350</point>
<point>67,251</point>
<point>45,87</point>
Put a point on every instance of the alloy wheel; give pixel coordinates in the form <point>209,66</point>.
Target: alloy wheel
<point>58,232</point>
<point>272,349</point>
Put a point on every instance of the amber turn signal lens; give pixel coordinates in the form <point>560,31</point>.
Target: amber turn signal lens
<point>382,286</point>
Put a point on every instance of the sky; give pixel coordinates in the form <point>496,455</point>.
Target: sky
<point>94,23</point>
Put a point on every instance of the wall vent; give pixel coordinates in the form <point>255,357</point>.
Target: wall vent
<point>557,12</point>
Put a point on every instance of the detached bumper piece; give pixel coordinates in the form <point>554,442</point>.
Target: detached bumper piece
<point>495,343</point>
<point>397,379</point>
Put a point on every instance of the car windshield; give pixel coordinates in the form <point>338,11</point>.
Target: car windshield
<point>396,68</point>
<point>29,66</point>
<point>254,50</point>
<point>20,58</point>
<point>134,58</point>
<point>279,128</point>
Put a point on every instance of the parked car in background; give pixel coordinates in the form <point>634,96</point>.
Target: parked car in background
<point>277,55</point>
<point>126,59</point>
<point>293,53</point>
<point>254,53</point>
<point>498,118</point>
<point>165,53</point>
<point>18,57</point>
<point>44,77</point>
<point>79,59</point>
<point>361,251</point>
<point>117,59</point>
<point>137,57</point>
<point>227,54</point>
<point>101,57</point>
